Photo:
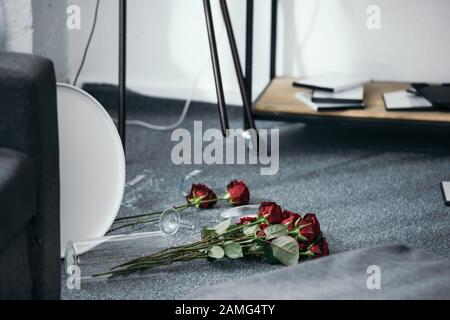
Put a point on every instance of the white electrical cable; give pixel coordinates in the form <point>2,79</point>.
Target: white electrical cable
<point>187,105</point>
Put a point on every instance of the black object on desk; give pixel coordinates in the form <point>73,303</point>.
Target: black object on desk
<point>438,95</point>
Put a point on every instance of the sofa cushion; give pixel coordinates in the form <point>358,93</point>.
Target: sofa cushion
<point>18,196</point>
<point>29,124</point>
<point>17,265</point>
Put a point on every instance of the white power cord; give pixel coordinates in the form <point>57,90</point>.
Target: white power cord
<point>187,105</point>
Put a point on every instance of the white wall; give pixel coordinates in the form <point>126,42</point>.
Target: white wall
<point>412,45</point>
<point>168,43</point>
<point>50,34</point>
<point>38,27</point>
<point>167,46</point>
<point>18,22</point>
<point>2,26</point>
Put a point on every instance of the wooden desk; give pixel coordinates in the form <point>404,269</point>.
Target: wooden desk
<point>278,102</point>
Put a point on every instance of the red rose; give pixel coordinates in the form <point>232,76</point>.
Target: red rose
<point>307,232</point>
<point>201,196</point>
<point>246,220</point>
<point>238,192</point>
<point>291,220</point>
<point>320,249</point>
<point>308,228</point>
<point>292,213</point>
<point>272,212</point>
<point>311,218</point>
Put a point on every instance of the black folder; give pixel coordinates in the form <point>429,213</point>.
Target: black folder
<point>438,95</point>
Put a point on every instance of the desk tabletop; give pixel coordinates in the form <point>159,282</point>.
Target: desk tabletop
<point>280,98</point>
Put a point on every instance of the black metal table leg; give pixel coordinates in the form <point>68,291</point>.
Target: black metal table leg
<point>237,64</point>
<point>216,68</point>
<point>122,70</point>
<point>273,40</point>
<point>249,57</point>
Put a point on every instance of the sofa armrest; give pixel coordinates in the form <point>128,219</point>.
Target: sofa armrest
<point>29,123</point>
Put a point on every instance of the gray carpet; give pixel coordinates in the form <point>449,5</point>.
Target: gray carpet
<point>369,186</point>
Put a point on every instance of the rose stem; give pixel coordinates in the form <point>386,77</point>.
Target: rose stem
<point>172,256</point>
<point>132,224</point>
<point>130,270</point>
<point>190,246</point>
<point>176,250</point>
<point>177,257</point>
<point>185,206</point>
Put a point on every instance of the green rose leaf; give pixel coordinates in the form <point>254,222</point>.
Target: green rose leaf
<point>276,231</point>
<point>216,252</point>
<point>233,250</point>
<point>250,230</point>
<point>222,227</point>
<point>285,250</point>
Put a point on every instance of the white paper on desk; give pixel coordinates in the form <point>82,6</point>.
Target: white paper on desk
<point>403,100</point>
<point>334,82</point>
<point>356,94</point>
<point>305,98</point>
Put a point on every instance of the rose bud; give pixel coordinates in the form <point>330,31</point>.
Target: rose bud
<point>272,212</point>
<point>246,220</point>
<point>238,193</point>
<point>320,249</point>
<point>201,197</point>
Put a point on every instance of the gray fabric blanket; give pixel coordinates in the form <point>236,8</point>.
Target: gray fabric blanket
<point>393,272</point>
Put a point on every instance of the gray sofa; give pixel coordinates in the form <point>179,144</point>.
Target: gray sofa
<point>29,179</point>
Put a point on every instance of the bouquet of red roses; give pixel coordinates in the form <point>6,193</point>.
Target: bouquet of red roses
<point>273,234</point>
